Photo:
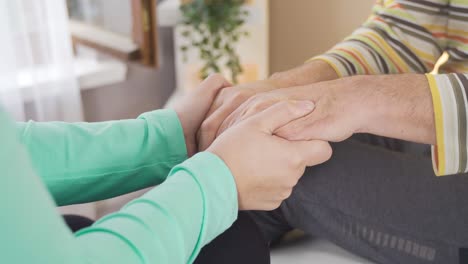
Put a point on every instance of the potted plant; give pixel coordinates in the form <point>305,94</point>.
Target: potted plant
<point>213,28</point>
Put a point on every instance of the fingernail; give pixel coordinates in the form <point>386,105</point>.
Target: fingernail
<point>306,106</point>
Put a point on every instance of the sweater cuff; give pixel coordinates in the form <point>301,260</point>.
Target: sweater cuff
<point>168,124</point>
<point>219,194</point>
<point>449,155</point>
<point>335,63</point>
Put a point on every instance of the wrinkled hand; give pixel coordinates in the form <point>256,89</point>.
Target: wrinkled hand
<point>226,102</point>
<point>341,109</point>
<point>192,108</point>
<point>266,167</point>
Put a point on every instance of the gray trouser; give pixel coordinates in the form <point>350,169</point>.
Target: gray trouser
<point>381,202</point>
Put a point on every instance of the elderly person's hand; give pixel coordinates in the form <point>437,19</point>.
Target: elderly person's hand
<point>397,106</point>
<point>266,167</point>
<point>337,115</point>
<point>229,99</point>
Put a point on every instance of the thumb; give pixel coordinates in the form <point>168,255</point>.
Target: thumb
<point>313,152</point>
<point>281,114</point>
<point>213,83</point>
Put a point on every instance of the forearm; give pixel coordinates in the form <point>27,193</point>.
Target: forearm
<point>310,72</point>
<point>169,224</point>
<point>106,159</point>
<point>172,222</point>
<point>398,106</point>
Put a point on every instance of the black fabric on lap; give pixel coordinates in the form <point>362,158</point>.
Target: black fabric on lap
<point>241,243</point>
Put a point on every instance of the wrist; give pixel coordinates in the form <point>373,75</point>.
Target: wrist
<point>364,105</point>
<point>397,106</point>
<point>310,72</point>
<point>188,133</point>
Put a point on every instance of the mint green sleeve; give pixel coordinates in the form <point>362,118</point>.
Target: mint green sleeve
<point>169,224</point>
<point>83,162</point>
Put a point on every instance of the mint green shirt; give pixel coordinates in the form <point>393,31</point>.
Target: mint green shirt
<point>49,164</point>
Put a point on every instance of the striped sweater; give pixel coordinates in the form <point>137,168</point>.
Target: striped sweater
<point>410,36</point>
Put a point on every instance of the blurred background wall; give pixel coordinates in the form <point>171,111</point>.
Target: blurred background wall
<point>145,89</point>
<point>300,29</point>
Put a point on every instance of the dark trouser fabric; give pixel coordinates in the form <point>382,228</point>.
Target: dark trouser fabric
<point>77,222</point>
<point>384,205</point>
<point>243,243</point>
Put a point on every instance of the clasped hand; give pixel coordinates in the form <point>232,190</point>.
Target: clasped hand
<point>338,112</point>
<point>265,165</point>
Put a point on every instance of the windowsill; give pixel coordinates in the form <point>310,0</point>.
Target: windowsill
<point>90,73</point>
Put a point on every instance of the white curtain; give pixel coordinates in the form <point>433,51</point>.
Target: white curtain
<point>37,79</point>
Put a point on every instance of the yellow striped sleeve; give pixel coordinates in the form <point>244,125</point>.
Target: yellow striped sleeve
<point>397,38</point>
<point>438,157</point>
<point>450,104</point>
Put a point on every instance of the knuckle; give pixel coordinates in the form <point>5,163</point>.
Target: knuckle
<point>288,106</point>
<point>224,93</point>
<point>296,161</point>
<point>228,122</point>
<point>286,194</point>
<point>291,131</point>
<point>207,125</point>
<point>212,83</point>
<point>258,105</point>
<point>326,150</point>
<point>294,180</point>
<point>240,95</point>
<point>274,205</point>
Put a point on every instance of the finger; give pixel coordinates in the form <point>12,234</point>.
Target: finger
<point>214,82</point>
<point>243,113</point>
<point>228,122</point>
<point>313,152</point>
<point>235,117</point>
<point>210,126</point>
<point>208,90</point>
<point>301,129</point>
<point>268,205</point>
<point>218,102</point>
<point>281,114</point>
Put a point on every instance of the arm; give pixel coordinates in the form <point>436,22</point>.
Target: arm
<point>426,109</point>
<point>229,100</point>
<point>170,223</point>
<point>85,162</point>
<point>103,160</point>
<point>407,110</point>
<point>397,38</point>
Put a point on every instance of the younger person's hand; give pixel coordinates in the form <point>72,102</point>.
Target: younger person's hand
<point>192,108</point>
<point>227,101</point>
<point>266,167</point>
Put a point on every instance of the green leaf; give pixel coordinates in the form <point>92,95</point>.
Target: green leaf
<point>213,26</point>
